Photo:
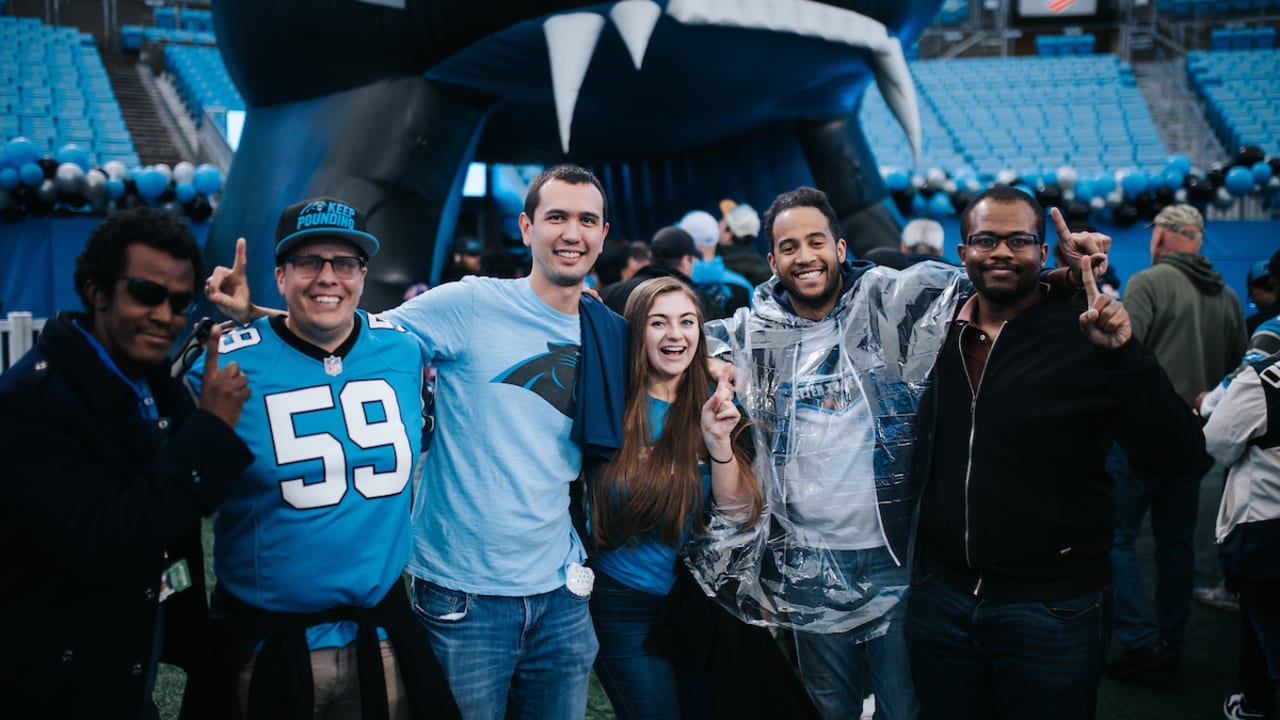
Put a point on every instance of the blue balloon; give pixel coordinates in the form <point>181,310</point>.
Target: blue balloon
<point>1103,185</point>
<point>1025,188</point>
<point>1030,176</point>
<point>1135,183</point>
<point>919,204</point>
<point>1179,162</point>
<point>207,179</point>
<point>1172,178</point>
<point>72,153</point>
<point>115,188</point>
<point>150,183</point>
<point>1261,171</point>
<point>9,178</point>
<point>31,174</point>
<point>1239,181</point>
<point>895,180</point>
<point>1085,189</point>
<point>20,151</point>
<point>940,205</point>
<point>186,192</point>
<point>1049,178</point>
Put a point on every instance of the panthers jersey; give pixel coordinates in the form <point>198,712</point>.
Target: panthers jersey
<point>321,517</point>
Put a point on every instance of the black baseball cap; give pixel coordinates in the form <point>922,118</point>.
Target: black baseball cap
<point>322,217</point>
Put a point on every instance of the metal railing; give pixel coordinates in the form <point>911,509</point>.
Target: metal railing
<point>18,333</point>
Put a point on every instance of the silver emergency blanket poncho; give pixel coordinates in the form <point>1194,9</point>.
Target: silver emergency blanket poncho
<point>835,408</point>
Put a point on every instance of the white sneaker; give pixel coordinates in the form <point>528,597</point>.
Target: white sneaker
<point>1235,708</point>
<point>1218,597</point>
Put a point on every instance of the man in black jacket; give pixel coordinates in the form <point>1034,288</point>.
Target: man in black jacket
<point>1004,617</point>
<point>108,470</point>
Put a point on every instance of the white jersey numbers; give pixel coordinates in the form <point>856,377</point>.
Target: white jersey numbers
<point>370,418</point>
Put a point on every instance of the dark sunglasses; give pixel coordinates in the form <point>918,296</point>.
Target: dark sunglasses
<point>152,294</point>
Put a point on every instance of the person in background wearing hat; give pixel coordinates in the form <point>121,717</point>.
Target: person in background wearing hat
<point>309,547</point>
<point>1263,295</point>
<point>739,226</point>
<point>467,255</point>
<point>673,254</point>
<point>108,469</point>
<point>1183,310</point>
<point>728,289</point>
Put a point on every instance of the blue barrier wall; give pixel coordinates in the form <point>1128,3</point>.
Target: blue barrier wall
<point>38,258</point>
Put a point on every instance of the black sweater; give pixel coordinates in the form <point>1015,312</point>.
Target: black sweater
<point>1017,504</point>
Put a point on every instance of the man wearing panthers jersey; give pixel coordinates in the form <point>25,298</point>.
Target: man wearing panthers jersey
<point>310,543</point>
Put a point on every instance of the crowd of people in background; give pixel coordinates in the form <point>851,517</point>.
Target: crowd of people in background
<point>732,484</point>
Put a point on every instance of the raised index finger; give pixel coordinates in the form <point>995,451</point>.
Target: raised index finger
<point>241,261</point>
<point>724,388</point>
<point>1086,277</point>
<point>211,352</point>
<point>1059,224</point>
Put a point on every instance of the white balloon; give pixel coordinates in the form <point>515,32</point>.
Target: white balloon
<point>69,179</point>
<point>1097,203</point>
<point>1006,177</point>
<point>1067,177</point>
<point>164,170</point>
<point>183,172</point>
<point>1115,197</point>
<point>47,192</point>
<point>114,169</point>
<point>95,189</point>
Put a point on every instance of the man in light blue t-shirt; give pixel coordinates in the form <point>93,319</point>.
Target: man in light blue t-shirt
<point>497,579</point>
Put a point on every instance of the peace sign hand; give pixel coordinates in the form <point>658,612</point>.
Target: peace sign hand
<point>720,415</point>
<point>1105,323</point>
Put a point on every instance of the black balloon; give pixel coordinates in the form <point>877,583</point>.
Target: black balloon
<point>199,208</point>
<point>48,166</point>
<point>1199,189</point>
<point>1274,162</point>
<point>168,195</point>
<point>1125,214</point>
<point>1217,174</point>
<point>1077,210</point>
<point>1164,195</point>
<point>1248,155</point>
<point>1049,196</point>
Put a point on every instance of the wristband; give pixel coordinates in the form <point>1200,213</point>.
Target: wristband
<point>718,461</point>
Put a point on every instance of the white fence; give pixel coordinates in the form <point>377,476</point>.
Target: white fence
<point>17,334</point>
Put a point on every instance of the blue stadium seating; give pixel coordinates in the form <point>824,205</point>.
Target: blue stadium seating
<point>54,91</point>
<point>1241,94</point>
<point>202,81</point>
<point>982,116</point>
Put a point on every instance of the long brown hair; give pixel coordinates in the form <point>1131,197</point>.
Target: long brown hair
<point>655,487</point>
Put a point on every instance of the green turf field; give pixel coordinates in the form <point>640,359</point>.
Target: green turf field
<point>1208,662</point>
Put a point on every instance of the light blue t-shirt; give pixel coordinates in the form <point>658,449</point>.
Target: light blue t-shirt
<point>321,518</point>
<point>648,566</point>
<point>492,512</point>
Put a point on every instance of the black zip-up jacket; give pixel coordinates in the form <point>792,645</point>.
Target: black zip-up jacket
<point>1017,504</point>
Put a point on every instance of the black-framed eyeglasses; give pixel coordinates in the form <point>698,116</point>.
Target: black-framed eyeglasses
<point>990,241</point>
<point>309,266</point>
<point>152,293</point>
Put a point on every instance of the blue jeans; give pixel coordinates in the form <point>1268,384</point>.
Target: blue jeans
<point>1173,502</point>
<point>976,659</point>
<point>640,685</point>
<point>518,657</point>
<point>831,665</point>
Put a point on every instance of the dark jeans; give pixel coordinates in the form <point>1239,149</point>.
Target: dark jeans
<point>975,659</point>
<point>640,685</point>
<point>1173,503</point>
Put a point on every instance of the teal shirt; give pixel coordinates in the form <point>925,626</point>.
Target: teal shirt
<point>648,566</point>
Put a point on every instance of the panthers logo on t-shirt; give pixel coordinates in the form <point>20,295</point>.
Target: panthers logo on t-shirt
<point>552,376</point>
